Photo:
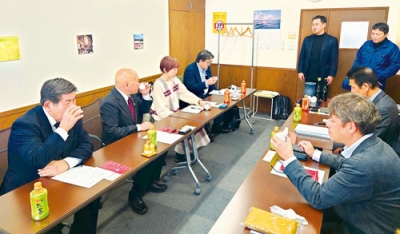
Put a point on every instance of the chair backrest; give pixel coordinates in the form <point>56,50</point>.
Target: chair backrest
<point>94,128</point>
<point>180,77</point>
<point>4,135</point>
<point>91,110</point>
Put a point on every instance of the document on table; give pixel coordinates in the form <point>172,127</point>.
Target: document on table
<point>193,109</point>
<point>166,137</point>
<point>218,92</point>
<point>314,131</point>
<point>83,176</point>
<point>214,104</point>
<point>278,170</point>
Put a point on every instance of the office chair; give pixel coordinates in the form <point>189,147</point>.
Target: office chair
<point>4,135</point>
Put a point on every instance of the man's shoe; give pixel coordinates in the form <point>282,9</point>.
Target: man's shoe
<point>225,130</point>
<point>157,188</point>
<point>137,204</point>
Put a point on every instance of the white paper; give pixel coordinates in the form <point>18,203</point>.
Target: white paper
<point>166,137</point>
<point>314,131</point>
<point>269,155</point>
<point>109,175</point>
<point>193,109</point>
<point>218,92</point>
<point>213,104</point>
<point>83,176</point>
<point>279,172</point>
<point>353,34</point>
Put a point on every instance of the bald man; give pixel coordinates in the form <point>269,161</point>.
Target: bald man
<point>121,114</point>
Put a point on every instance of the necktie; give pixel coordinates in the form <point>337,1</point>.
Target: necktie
<point>130,105</point>
<point>56,125</point>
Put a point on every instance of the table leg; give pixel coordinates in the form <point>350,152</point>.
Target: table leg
<point>246,118</point>
<point>196,157</point>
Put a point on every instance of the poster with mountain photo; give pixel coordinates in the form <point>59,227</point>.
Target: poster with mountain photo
<point>138,42</point>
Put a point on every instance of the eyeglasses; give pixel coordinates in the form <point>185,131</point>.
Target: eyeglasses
<point>280,168</point>
<point>208,61</point>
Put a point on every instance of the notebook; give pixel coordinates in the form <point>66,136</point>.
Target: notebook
<point>313,131</point>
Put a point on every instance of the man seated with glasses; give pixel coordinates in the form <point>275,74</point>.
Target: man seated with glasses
<point>364,194</point>
<point>199,80</point>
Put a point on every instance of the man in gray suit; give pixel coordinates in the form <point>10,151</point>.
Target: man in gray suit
<point>364,81</point>
<point>365,191</point>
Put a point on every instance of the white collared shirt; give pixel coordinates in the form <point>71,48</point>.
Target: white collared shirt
<point>203,75</point>
<point>72,162</point>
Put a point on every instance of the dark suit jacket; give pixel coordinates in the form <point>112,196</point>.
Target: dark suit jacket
<point>192,80</point>
<point>328,59</point>
<point>33,144</point>
<point>388,128</point>
<point>116,118</point>
<point>364,192</point>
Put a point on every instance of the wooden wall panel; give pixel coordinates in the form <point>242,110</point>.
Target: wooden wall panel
<point>82,99</point>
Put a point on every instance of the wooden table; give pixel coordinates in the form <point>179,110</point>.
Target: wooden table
<point>66,199</point>
<point>206,116</point>
<point>262,189</point>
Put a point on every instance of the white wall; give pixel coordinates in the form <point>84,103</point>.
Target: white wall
<point>47,32</point>
<point>237,50</point>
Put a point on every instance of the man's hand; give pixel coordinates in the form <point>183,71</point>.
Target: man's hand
<point>53,168</point>
<point>301,76</point>
<point>307,147</point>
<point>146,90</point>
<point>329,80</point>
<point>212,80</point>
<point>145,126</point>
<point>71,115</point>
<point>283,148</point>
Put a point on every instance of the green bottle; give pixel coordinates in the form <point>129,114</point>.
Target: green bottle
<point>39,204</point>
<point>297,113</point>
<point>152,133</point>
<point>276,129</point>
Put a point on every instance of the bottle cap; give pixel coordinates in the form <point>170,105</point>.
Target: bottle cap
<point>37,185</point>
<point>276,128</point>
<point>297,105</point>
<point>319,79</point>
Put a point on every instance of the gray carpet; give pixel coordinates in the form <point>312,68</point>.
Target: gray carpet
<point>229,159</point>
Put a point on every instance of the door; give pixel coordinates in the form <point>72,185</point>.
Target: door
<point>335,18</point>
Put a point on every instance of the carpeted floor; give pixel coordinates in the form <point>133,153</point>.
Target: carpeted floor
<point>178,210</point>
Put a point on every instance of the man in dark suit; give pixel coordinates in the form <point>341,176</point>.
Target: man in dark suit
<point>364,81</point>
<point>319,54</point>
<point>48,140</point>
<point>122,114</point>
<point>364,194</point>
<point>198,80</point>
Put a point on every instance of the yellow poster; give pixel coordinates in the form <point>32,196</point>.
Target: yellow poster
<point>9,48</point>
<point>219,21</point>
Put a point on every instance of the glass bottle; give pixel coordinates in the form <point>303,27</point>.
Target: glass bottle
<point>305,103</point>
<point>319,89</point>
<point>227,96</point>
<point>39,203</point>
<point>273,132</point>
<point>297,113</point>
<point>243,87</point>
<point>325,92</point>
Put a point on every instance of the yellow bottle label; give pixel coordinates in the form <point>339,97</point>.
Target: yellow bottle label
<point>39,204</point>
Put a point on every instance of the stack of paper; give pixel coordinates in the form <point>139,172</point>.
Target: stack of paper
<point>192,109</point>
<point>314,131</point>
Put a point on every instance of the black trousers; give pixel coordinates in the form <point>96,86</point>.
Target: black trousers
<point>146,176</point>
<point>85,220</point>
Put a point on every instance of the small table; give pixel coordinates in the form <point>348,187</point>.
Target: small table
<point>263,94</point>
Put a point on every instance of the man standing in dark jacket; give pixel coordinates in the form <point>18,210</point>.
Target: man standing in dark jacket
<point>319,54</point>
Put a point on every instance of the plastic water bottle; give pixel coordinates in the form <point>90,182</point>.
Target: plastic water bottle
<point>152,134</point>
<point>243,87</point>
<point>319,89</point>
<point>227,96</point>
<point>39,204</point>
<point>273,132</point>
<point>297,113</point>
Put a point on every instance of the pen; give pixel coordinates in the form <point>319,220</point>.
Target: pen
<point>172,131</point>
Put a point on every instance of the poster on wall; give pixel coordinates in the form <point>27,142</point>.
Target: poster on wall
<point>138,42</point>
<point>9,48</point>
<point>353,34</point>
<point>267,27</point>
<point>219,19</point>
<point>85,44</point>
